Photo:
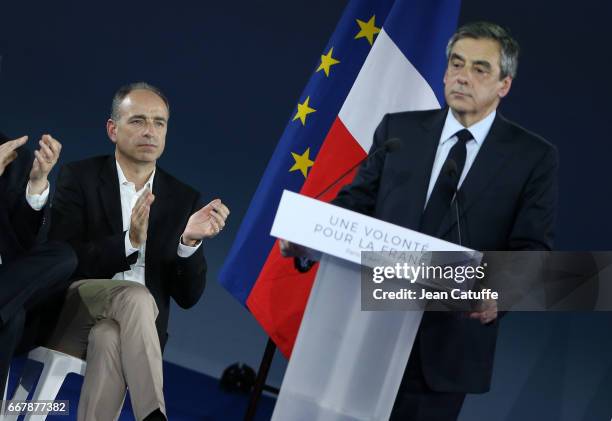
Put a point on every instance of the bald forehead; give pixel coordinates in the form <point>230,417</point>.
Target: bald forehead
<point>143,102</point>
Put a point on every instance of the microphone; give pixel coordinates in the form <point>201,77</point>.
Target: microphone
<point>451,170</point>
<point>390,145</point>
<point>303,264</point>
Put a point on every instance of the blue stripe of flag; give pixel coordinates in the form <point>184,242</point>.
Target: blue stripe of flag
<point>410,24</point>
<point>327,94</point>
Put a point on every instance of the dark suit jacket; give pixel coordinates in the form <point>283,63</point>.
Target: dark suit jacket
<point>19,223</point>
<point>507,202</point>
<point>86,212</point>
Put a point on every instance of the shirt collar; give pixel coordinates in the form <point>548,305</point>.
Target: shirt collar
<point>124,181</point>
<point>479,130</point>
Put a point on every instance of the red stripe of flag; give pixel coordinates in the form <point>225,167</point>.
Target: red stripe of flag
<point>279,296</point>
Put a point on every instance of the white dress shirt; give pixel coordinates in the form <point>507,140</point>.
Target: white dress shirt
<point>448,139</point>
<point>129,196</point>
<point>36,201</point>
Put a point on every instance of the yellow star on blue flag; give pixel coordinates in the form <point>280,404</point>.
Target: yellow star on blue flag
<point>367,29</point>
<point>303,110</point>
<point>327,61</point>
<point>302,162</point>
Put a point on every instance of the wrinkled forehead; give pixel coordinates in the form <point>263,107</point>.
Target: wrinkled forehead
<point>477,50</point>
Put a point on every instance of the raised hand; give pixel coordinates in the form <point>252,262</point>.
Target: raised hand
<point>205,223</point>
<point>45,159</point>
<point>8,152</point>
<point>139,221</point>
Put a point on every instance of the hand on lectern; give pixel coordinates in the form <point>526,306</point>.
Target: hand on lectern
<point>289,249</point>
<point>486,311</point>
<point>300,254</point>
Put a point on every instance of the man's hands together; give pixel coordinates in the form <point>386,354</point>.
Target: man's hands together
<point>205,223</point>
<point>139,221</point>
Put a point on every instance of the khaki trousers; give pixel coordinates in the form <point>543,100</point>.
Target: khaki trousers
<point>111,324</point>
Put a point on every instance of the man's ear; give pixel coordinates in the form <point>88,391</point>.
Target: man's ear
<point>111,130</point>
<point>505,88</point>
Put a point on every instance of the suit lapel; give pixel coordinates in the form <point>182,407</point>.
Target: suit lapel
<point>493,155</point>
<point>110,195</point>
<point>418,155</point>
<point>158,216</point>
<point>161,191</point>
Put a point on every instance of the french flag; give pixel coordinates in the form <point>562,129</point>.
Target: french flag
<point>384,56</point>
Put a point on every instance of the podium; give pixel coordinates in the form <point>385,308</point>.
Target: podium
<point>347,364</point>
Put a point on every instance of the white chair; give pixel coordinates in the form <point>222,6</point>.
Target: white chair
<point>8,375</point>
<point>56,366</point>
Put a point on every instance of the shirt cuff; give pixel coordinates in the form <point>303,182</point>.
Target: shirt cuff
<point>187,251</point>
<point>129,248</point>
<point>37,201</point>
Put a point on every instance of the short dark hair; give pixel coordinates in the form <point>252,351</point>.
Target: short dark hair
<point>125,91</point>
<point>508,45</point>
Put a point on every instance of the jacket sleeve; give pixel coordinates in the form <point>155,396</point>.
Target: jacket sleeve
<point>533,227</point>
<point>516,275</point>
<point>189,273</point>
<point>98,258</point>
<point>26,222</point>
<point>360,195</point>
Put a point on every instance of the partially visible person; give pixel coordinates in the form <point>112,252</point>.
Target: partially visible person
<point>28,270</point>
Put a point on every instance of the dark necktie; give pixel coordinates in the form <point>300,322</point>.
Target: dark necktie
<point>446,185</point>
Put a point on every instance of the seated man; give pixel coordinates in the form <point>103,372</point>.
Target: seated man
<point>28,272</point>
<point>137,232</point>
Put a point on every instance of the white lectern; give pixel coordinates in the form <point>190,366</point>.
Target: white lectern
<point>346,364</point>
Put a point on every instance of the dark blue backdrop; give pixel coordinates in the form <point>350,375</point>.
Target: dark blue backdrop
<point>233,72</point>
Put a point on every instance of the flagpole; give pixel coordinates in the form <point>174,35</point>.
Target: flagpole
<point>260,381</point>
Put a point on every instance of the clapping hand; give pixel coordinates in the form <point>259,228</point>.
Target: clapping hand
<point>139,221</point>
<point>45,159</point>
<point>8,152</point>
<point>205,223</point>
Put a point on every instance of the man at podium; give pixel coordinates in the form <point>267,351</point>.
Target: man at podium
<point>468,175</point>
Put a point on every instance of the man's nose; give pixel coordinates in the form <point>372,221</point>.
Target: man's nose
<point>463,77</point>
<point>148,129</point>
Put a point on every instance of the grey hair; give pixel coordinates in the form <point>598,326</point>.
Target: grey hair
<point>125,90</point>
<point>487,30</point>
